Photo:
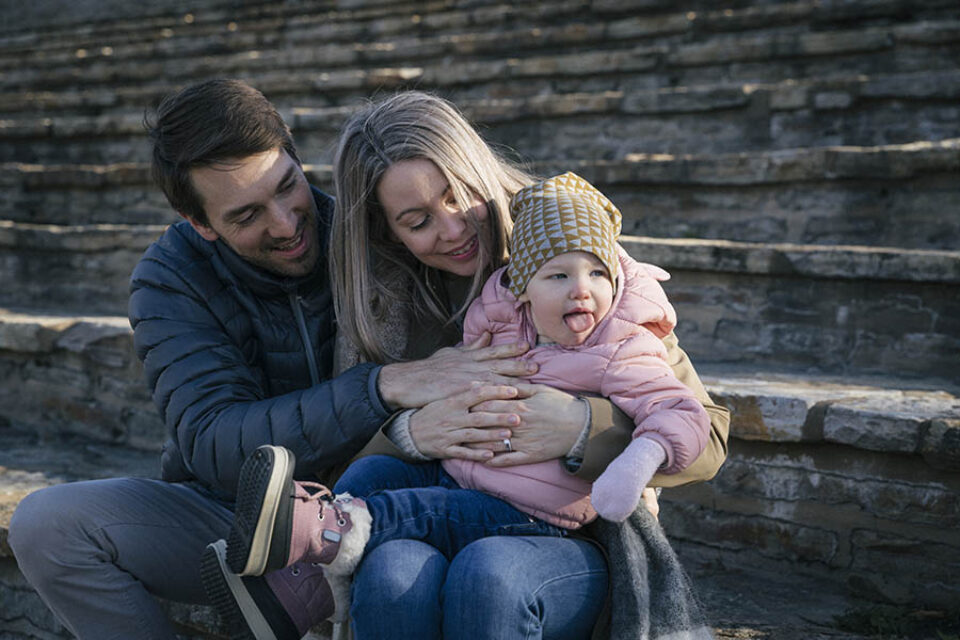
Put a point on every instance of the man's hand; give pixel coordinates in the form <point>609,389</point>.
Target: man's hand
<point>550,423</point>
<point>443,428</point>
<point>450,371</point>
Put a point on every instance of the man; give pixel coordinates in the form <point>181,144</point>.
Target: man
<point>233,319</point>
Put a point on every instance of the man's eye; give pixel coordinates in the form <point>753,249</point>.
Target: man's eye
<point>245,219</point>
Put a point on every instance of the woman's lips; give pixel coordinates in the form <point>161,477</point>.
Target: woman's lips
<point>466,251</point>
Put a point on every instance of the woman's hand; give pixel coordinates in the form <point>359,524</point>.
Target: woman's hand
<point>550,423</point>
<point>444,428</point>
<point>450,371</point>
<point>649,500</point>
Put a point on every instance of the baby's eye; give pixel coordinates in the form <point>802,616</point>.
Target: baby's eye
<point>598,273</point>
<point>556,276</point>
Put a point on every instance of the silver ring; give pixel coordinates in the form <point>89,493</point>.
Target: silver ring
<point>506,443</point>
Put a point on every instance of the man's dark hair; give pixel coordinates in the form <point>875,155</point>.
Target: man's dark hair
<point>207,123</point>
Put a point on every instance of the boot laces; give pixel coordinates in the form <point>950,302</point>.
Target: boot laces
<point>323,494</point>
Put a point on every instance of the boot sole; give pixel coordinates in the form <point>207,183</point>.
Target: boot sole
<point>260,538</point>
<point>230,597</point>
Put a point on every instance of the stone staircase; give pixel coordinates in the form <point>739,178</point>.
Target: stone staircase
<point>793,164</point>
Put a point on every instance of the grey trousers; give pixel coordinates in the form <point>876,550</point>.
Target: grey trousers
<point>95,552</point>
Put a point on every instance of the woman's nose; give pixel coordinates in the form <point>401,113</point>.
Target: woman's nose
<point>452,225</point>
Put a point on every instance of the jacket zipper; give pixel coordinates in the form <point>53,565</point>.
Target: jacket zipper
<point>295,302</point>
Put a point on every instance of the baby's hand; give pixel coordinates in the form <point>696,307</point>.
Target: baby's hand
<point>617,492</point>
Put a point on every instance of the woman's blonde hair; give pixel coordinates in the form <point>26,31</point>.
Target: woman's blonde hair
<point>364,258</point>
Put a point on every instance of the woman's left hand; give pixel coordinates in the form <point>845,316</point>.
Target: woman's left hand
<point>649,500</point>
<point>550,423</point>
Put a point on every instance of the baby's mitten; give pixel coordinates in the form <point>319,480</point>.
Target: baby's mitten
<point>616,493</point>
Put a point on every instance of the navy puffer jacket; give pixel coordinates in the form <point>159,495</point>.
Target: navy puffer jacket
<point>237,357</point>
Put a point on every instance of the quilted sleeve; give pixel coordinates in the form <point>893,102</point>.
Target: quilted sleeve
<point>640,382</point>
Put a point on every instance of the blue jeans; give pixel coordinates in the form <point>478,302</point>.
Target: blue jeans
<point>539,586</point>
<point>422,502</point>
<point>536,588</point>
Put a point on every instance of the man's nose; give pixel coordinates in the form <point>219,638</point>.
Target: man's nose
<point>283,222</point>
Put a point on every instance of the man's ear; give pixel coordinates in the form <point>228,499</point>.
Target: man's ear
<point>205,232</point>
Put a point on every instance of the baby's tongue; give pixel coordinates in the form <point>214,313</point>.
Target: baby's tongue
<point>578,322</point>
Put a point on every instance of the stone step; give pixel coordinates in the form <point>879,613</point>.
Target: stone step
<point>859,482</point>
<point>86,268</point>
<point>841,309</point>
<point>84,194</point>
<point>438,28</point>
<point>849,111</point>
<point>734,59</point>
<point>77,375</point>
<point>180,33</point>
<point>28,463</point>
<point>889,195</point>
<point>788,606</point>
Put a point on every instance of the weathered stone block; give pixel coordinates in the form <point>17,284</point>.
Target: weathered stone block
<point>868,490</point>
<point>941,444</point>
<point>768,537</point>
<point>832,100</point>
<point>646,26</point>
<point>906,570</point>
<point>893,422</point>
<point>23,612</point>
<point>685,100</point>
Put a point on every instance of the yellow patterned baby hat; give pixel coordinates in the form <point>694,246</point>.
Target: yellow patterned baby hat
<point>563,214</point>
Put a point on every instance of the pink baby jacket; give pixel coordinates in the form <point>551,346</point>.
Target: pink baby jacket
<point>623,359</point>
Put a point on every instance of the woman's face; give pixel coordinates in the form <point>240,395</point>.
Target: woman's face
<point>423,214</point>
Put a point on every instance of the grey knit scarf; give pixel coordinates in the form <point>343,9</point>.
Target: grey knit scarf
<point>651,597</point>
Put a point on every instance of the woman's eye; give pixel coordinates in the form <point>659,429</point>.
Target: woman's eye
<point>421,224</point>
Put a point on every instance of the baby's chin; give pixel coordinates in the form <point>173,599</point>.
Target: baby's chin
<point>568,340</point>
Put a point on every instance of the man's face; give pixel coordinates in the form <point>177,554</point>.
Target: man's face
<point>262,208</point>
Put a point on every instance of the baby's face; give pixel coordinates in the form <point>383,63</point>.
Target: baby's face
<point>569,296</point>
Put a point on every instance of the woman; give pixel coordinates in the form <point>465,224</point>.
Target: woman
<point>421,222</point>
